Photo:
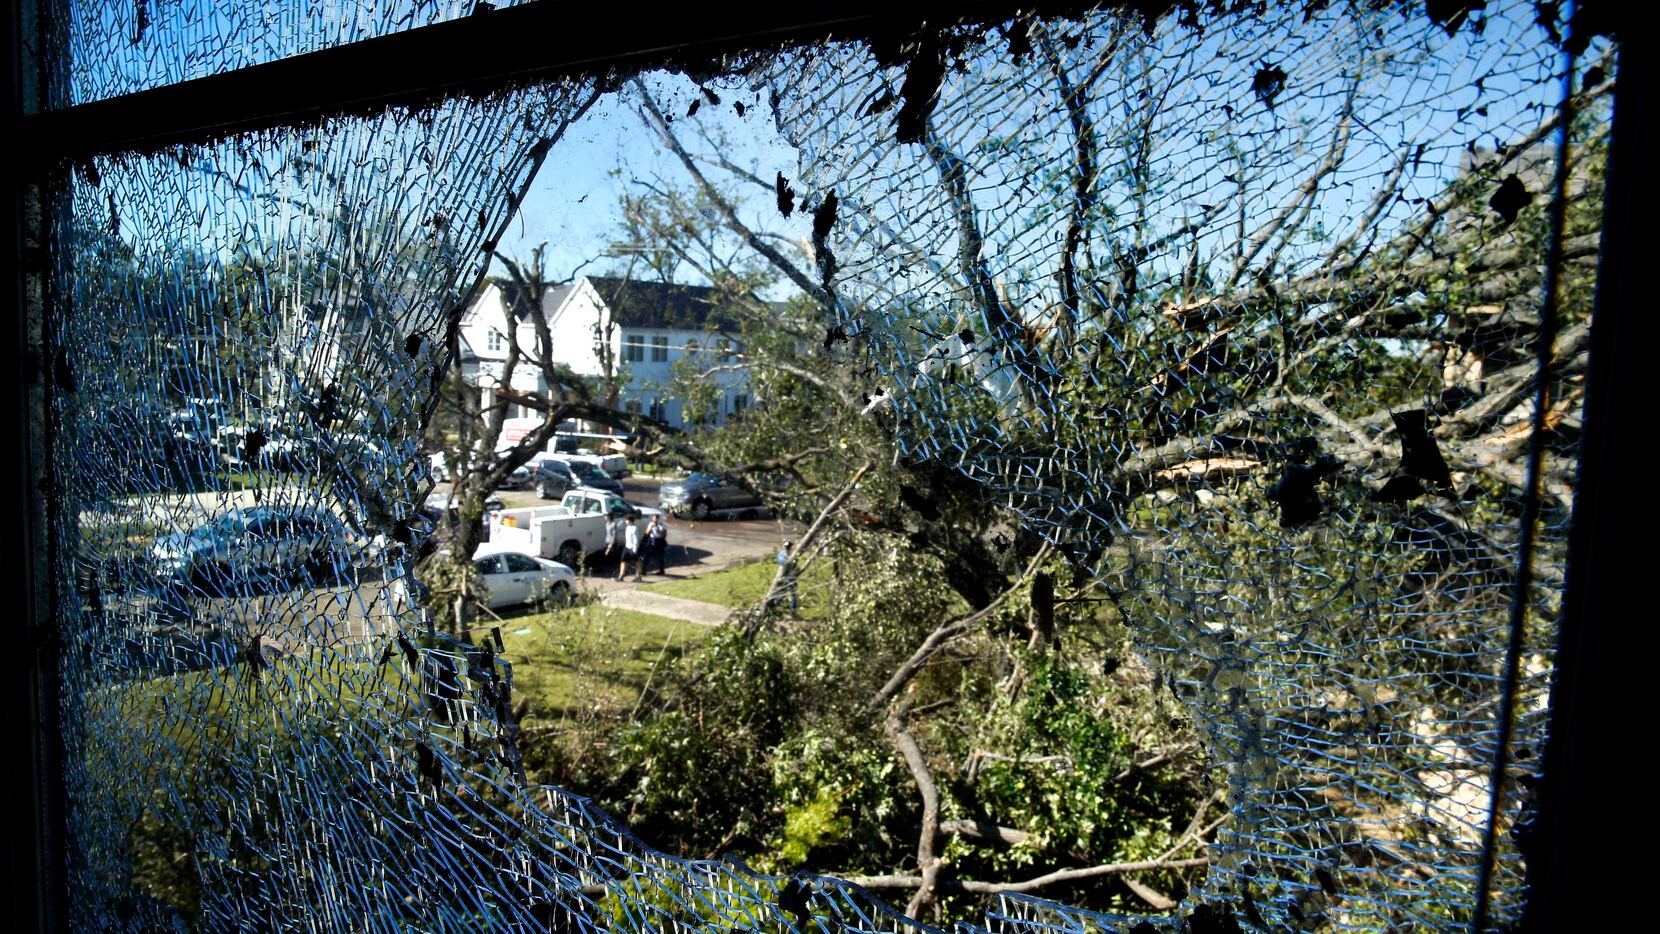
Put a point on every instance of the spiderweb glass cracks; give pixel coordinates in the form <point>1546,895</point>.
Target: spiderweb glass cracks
<point>119,48</point>
<point>1240,314</point>
<point>1233,306</point>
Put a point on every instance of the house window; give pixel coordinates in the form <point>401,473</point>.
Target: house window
<point>692,348</point>
<point>632,406</point>
<point>659,349</point>
<point>740,402</point>
<point>725,348</point>
<point>634,348</point>
<point>495,341</point>
<point>659,410</point>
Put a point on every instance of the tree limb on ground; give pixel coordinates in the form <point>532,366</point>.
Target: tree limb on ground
<point>944,634</point>
<point>897,728</point>
<point>970,887</point>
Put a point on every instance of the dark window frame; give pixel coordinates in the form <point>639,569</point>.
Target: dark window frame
<point>480,53</point>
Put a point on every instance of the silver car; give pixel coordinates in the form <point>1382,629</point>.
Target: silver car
<point>511,577</point>
<point>253,544</point>
<point>701,495</point>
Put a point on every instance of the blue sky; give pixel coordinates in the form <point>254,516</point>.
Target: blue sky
<point>1424,94</point>
<point>573,203</point>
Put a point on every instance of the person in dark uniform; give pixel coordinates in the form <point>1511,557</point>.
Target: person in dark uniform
<point>657,544</point>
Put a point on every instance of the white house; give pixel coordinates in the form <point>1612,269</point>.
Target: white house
<point>601,324</point>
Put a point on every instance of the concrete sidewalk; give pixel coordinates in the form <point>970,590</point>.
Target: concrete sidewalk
<point>644,601</point>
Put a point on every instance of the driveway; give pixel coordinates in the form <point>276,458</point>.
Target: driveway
<point>695,548</point>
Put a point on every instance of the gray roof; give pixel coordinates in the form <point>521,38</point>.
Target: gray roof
<point>556,296</point>
<point>638,303</point>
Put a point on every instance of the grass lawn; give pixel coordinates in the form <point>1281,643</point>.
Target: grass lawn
<point>589,657</point>
<point>739,586</point>
<point>747,583</point>
<point>578,661</point>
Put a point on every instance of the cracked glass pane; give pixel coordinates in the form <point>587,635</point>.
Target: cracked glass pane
<point>1240,316</point>
<point>1234,310</point>
<point>120,48</point>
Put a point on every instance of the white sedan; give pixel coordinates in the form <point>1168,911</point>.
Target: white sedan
<point>509,577</point>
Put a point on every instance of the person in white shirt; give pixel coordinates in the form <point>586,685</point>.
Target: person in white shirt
<point>631,549</point>
<point>615,535</point>
<point>786,557</point>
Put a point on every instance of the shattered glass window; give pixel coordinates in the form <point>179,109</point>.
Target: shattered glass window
<point>1238,308</point>
<point>113,49</point>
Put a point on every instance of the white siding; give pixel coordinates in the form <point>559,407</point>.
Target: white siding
<point>575,317</point>
<point>487,314</point>
<point>573,324</point>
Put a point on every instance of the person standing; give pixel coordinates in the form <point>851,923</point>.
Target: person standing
<point>785,558</point>
<point>631,549</point>
<point>657,544</point>
<point>615,537</point>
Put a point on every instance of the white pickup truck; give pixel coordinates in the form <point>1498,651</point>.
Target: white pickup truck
<point>567,532</point>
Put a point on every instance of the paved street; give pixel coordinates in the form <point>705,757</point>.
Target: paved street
<point>695,548</point>
<point>361,610</point>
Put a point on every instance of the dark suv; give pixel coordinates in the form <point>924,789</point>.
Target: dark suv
<point>595,478</point>
<point>552,479</point>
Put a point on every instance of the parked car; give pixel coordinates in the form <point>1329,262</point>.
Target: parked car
<point>258,543</point>
<point>191,429</point>
<point>701,495</point>
<point>614,464</point>
<point>444,471</point>
<point>280,447</point>
<point>594,477</point>
<point>510,577</point>
<point>522,478</point>
<point>439,505</point>
<point>553,478</point>
<point>437,511</point>
<point>438,502</point>
<point>594,445</point>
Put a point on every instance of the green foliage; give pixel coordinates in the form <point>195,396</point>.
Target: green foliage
<point>696,772</point>
<point>851,783</point>
<point>809,826</point>
<point>1069,801</point>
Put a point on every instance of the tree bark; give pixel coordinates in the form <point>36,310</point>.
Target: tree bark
<point>897,728</point>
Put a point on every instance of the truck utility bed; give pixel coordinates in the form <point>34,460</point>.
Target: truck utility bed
<point>567,532</point>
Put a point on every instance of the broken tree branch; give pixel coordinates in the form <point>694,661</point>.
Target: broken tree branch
<point>897,728</point>
<point>788,572</point>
